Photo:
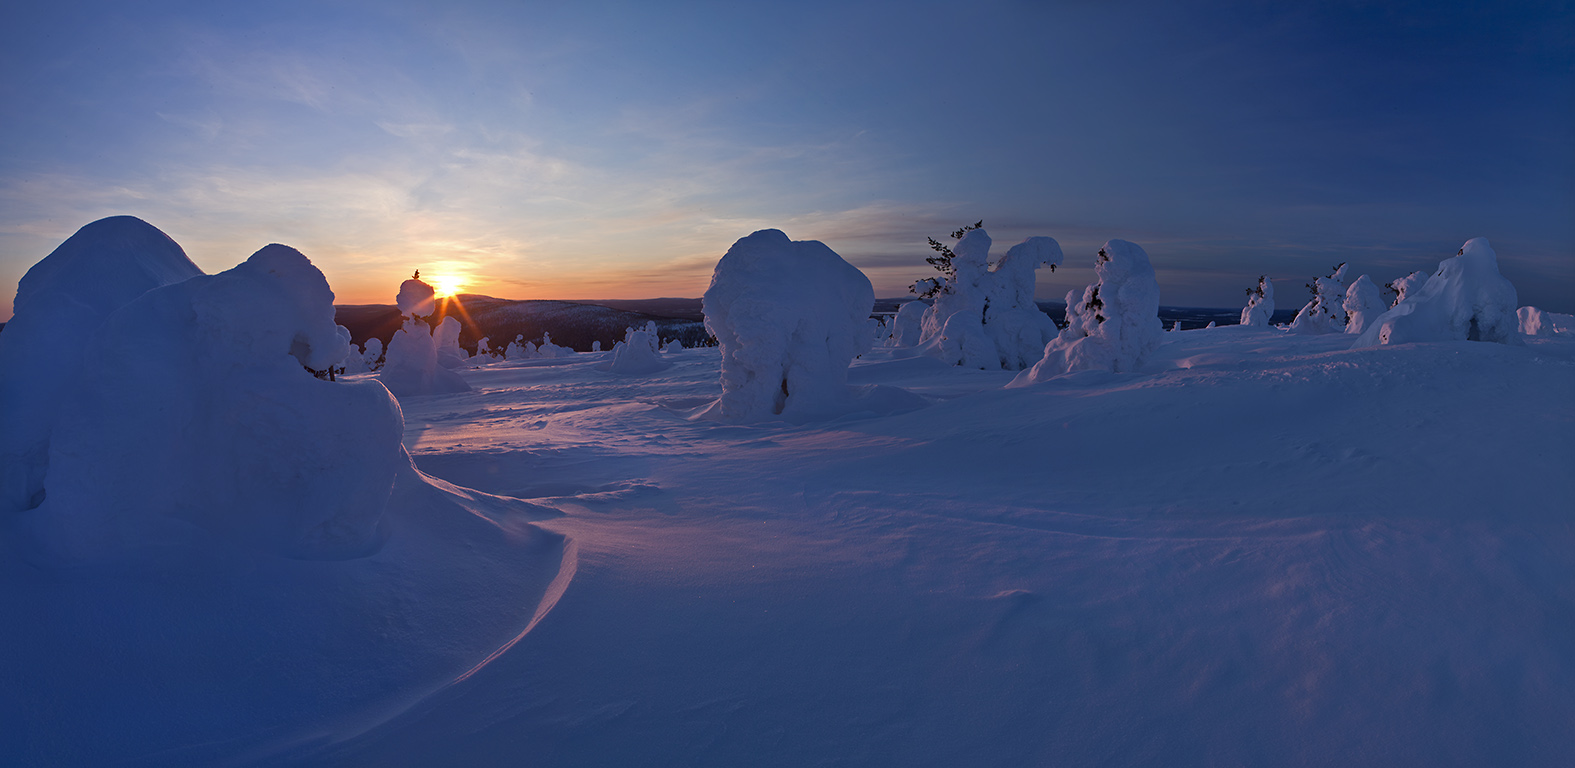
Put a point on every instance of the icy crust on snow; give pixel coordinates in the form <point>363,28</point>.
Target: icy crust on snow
<point>789,317</point>
<point>1325,313</point>
<point>1260,304</point>
<point>1363,304</point>
<point>1115,324</point>
<point>1535,322</point>
<point>1465,299</point>
<point>413,363</point>
<point>985,317</point>
<point>199,420</point>
<point>59,302</point>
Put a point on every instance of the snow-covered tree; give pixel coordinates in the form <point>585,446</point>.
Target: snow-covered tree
<point>1466,299</point>
<point>789,317</point>
<point>907,327</point>
<point>445,338</point>
<point>1260,304</point>
<point>637,354</point>
<point>1113,326</point>
<point>1363,304</point>
<point>520,349</point>
<point>1535,322</point>
<point>1326,312</point>
<point>59,302</point>
<point>410,366</point>
<point>549,349</point>
<point>1406,285</point>
<point>985,317</point>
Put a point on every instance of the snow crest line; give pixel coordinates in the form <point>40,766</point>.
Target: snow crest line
<point>549,599</point>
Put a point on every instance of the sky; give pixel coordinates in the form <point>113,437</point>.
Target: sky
<point>616,150</point>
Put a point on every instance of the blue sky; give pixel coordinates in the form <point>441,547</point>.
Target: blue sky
<point>615,150</point>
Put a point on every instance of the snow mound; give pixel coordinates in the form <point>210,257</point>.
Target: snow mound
<point>200,420</point>
<point>1466,299</point>
<point>1363,304</point>
<point>1260,304</point>
<point>1535,322</point>
<point>411,365</point>
<point>59,302</point>
<point>1114,326</point>
<point>1325,313</point>
<point>549,349</point>
<point>789,317</point>
<point>985,317</point>
<point>637,354</point>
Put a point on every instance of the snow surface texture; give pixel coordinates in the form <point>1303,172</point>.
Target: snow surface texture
<point>1260,304</point>
<point>637,354</point>
<point>1535,322</point>
<point>1363,304</point>
<point>985,317</point>
<point>411,365</point>
<point>1326,312</point>
<point>789,317</point>
<point>1466,299</point>
<point>1114,326</point>
<point>59,302</point>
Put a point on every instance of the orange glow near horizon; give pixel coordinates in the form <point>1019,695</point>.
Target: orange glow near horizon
<point>446,285</point>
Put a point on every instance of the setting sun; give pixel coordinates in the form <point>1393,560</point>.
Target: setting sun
<point>446,285</point>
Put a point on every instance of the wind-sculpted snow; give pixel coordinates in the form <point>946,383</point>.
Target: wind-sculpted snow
<point>59,302</point>
<point>1465,299</point>
<point>985,317</point>
<point>1114,326</point>
<point>789,317</point>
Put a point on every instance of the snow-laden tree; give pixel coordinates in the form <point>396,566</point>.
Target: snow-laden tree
<point>1326,312</point>
<point>907,326</point>
<point>984,316</point>
<point>1406,285</point>
<point>1113,326</point>
<point>1363,304</point>
<point>549,349</point>
<point>520,349</point>
<point>789,317</point>
<point>410,366</point>
<point>638,353</point>
<point>1466,299</point>
<point>1260,304</point>
<point>200,415</point>
<point>373,356</point>
<point>59,302</point>
<point>445,338</point>
<point>1535,322</point>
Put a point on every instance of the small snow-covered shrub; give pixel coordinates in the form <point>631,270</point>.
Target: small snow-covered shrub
<point>637,354</point>
<point>410,366</point>
<point>1326,312</point>
<point>200,415</point>
<point>985,317</point>
<point>1535,322</point>
<point>1466,299</point>
<point>1363,304</point>
<point>1113,326</point>
<point>790,317</point>
<point>59,302</point>
<point>1260,304</point>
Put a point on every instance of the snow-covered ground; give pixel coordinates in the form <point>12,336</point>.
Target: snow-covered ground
<point>1263,549</point>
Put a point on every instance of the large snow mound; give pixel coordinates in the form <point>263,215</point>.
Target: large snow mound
<point>985,317</point>
<point>1115,324</point>
<point>1466,298</point>
<point>59,302</point>
<point>789,317</point>
<point>199,419</point>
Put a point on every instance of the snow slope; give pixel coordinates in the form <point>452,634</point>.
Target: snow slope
<point>1262,548</point>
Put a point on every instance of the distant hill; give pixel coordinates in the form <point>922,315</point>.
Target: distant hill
<point>572,324</point>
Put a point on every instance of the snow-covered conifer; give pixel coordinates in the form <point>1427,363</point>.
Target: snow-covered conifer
<point>1406,285</point>
<point>1535,322</point>
<point>1363,304</point>
<point>1260,303</point>
<point>410,366</point>
<point>1114,326</point>
<point>445,338</point>
<point>1325,313</point>
<point>907,327</point>
<point>985,317</point>
<point>1466,299</point>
